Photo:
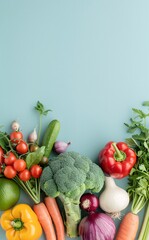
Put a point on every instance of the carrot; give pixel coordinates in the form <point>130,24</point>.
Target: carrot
<point>45,220</point>
<point>128,227</point>
<point>55,214</point>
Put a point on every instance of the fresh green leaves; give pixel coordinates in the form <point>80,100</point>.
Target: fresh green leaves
<point>35,157</point>
<point>41,109</point>
<point>145,103</point>
<point>138,180</point>
<point>4,141</point>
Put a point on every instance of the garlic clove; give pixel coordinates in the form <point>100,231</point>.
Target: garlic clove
<point>15,126</point>
<point>32,136</point>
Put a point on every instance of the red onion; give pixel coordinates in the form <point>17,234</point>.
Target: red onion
<point>97,226</point>
<point>89,202</point>
<point>60,146</point>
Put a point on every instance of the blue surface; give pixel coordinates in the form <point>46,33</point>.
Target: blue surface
<point>86,60</point>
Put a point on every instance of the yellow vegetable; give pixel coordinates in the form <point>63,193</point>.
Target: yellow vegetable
<point>21,223</point>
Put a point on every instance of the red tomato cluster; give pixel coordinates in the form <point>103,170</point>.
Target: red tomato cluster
<point>16,138</point>
<point>12,165</point>
<point>17,166</point>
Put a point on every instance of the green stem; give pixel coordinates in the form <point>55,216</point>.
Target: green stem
<point>27,188</point>
<point>144,233</point>
<point>9,144</point>
<point>118,155</point>
<point>17,224</point>
<point>138,203</point>
<point>39,130</point>
<point>143,173</point>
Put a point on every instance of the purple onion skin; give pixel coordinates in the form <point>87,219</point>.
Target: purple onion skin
<point>97,226</point>
<point>89,202</point>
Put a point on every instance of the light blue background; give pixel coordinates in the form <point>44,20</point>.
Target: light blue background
<point>87,60</point>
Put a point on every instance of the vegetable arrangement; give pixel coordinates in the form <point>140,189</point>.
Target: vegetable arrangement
<point>22,162</point>
<point>75,181</point>
<point>68,176</point>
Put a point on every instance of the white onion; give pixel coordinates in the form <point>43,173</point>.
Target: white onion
<point>113,199</point>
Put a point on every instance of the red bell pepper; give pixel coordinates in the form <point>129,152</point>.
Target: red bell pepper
<point>117,159</point>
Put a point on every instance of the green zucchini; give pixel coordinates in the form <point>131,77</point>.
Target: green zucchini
<point>50,136</point>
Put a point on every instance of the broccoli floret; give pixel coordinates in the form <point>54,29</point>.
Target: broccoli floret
<point>68,176</point>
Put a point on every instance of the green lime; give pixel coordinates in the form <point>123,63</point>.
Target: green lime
<point>9,193</point>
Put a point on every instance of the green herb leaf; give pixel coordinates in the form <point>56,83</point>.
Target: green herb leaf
<point>142,167</point>
<point>145,103</point>
<point>139,112</point>
<point>131,142</point>
<point>4,141</point>
<point>35,157</point>
<point>40,108</point>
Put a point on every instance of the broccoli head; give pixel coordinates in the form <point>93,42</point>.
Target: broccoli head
<point>68,176</point>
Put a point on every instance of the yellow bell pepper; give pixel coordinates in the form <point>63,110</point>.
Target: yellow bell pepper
<point>21,223</point>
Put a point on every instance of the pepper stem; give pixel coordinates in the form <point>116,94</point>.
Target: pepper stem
<point>118,155</point>
<point>17,224</point>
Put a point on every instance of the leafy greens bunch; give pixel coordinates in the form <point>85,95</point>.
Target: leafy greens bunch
<point>138,180</point>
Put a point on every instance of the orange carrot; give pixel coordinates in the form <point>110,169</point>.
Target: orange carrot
<point>128,227</point>
<point>55,214</point>
<point>45,220</point>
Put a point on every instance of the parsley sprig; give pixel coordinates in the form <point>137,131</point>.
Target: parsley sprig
<point>42,112</point>
<point>138,180</point>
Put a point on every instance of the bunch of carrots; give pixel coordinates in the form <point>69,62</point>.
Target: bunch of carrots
<point>50,219</point>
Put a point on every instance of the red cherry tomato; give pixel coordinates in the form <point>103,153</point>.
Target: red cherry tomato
<point>36,171</point>
<point>19,165</point>
<point>22,147</point>
<point>25,175</point>
<point>9,158</point>
<point>1,155</point>
<point>16,136</point>
<point>10,172</point>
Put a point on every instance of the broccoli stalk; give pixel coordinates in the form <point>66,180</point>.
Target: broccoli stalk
<point>72,211</point>
<point>73,215</point>
<point>68,176</point>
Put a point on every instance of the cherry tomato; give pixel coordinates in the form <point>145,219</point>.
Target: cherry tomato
<point>1,155</point>
<point>22,147</point>
<point>16,136</point>
<point>9,158</point>
<point>36,171</point>
<point>19,165</point>
<point>10,172</point>
<point>25,175</point>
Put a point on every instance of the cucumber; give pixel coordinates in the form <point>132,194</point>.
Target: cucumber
<point>50,136</point>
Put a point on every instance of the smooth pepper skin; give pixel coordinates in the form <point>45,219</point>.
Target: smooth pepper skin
<point>117,159</point>
<point>21,223</point>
